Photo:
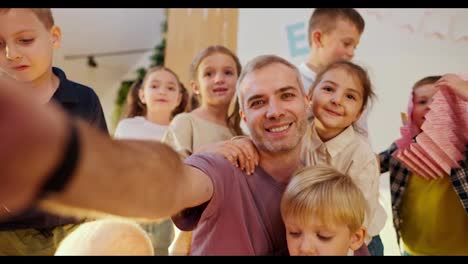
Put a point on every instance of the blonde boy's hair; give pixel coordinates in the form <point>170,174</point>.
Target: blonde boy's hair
<point>321,191</point>
<point>43,14</point>
<point>107,237</point>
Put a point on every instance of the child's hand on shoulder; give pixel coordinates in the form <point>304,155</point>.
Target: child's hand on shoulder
<point>240,151</point>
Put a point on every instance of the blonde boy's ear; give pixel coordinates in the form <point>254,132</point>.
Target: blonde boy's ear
<point>141,95</point>
<point>317,38</point>
<point>357,239</point>
<point>56,35</point>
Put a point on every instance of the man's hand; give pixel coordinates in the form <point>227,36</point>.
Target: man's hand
<point>32,138</point>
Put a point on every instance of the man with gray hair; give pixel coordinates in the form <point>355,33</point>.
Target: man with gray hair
<point>230,214</point>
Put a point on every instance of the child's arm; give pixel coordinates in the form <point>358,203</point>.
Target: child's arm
<point>456,84</point>
<point>240,151</point>
<point>385,157</point>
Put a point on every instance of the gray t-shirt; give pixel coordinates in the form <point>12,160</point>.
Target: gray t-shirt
<point>243,216</point>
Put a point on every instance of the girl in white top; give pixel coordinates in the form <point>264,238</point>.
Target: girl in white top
<point>214,73</point>
<point>152,103</point>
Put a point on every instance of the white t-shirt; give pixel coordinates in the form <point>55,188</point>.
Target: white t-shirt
<point>139,128</point>
<point>308,77</point>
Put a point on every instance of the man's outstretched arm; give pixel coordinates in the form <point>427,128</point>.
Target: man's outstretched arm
<point>138,179</point>
<point>32,137</point>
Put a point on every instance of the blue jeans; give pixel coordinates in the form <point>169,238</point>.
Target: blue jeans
<point>376,247</point>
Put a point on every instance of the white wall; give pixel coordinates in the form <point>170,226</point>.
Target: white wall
<point>100,30</point>
<point>394,56</point>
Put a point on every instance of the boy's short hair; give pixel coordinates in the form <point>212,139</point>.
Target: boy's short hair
<point>426,80</point>
<point>325,19</point>
<point>321,191</point>
<point>43,14</point>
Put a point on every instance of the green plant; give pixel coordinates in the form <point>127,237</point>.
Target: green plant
<point>157,59</point>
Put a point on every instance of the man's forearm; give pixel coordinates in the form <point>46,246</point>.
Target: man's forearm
<point>134,179</point>
<point>129,178</point>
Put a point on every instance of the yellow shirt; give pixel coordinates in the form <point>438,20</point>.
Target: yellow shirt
<point>434,221</point>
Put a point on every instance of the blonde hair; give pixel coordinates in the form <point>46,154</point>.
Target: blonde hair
<point>107,237</point>
<point>260,62</point>
<point>321,191</point>
<point>233,119</point>
<point>43,14</point>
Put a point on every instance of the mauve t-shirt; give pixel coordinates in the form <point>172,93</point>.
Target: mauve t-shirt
<point>243,216</point>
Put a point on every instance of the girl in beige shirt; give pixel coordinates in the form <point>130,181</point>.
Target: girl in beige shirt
<point>214,73</point>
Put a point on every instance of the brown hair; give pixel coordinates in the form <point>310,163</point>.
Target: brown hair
<point>134,105</point>
<point>426,80</point>
<point>43,14</point>
<point>325,19</point>
<point>233,119</point>
<point>357,72</point>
